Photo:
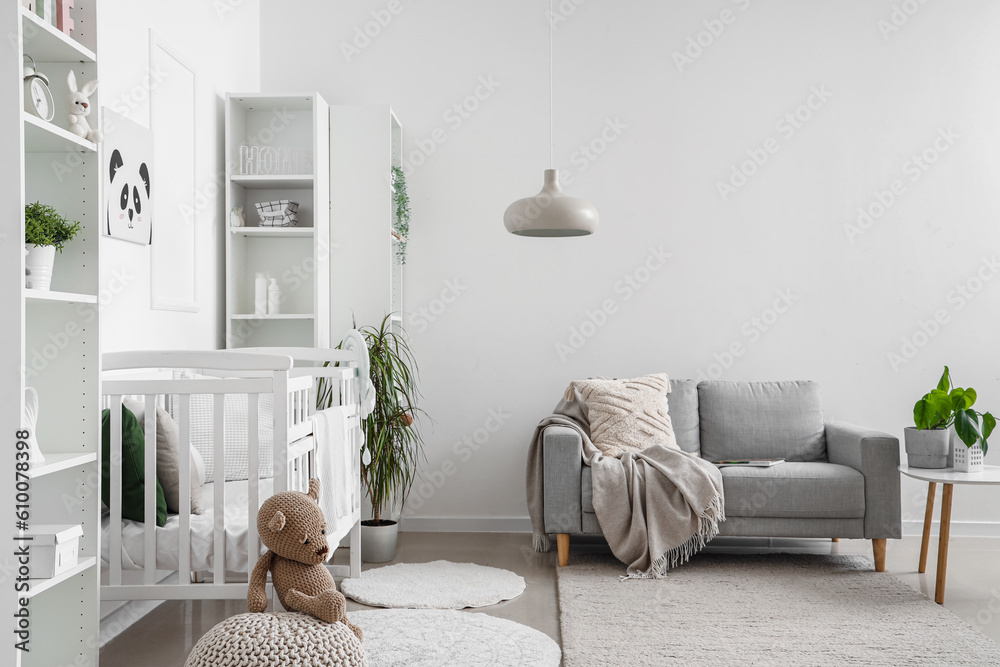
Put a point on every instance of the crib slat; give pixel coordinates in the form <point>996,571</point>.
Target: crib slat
<point>253,486</point>
<point>281,428</point>
<point>149,527</point>
<point>184,452</point>
<point>115,547</point>
<point>219,510</point>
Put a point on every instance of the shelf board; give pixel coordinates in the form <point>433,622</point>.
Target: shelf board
<point>42,585</point>
<point>285,232</point>
<point>47,44</point>
<point>41,136</point>
<point>62,297</point>
<point>274,317</point>
<point>56,462</point>
<point>273,182</point>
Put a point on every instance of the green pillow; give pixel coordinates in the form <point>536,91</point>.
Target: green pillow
<point>133,469</point>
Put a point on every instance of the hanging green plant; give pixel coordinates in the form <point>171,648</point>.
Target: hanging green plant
<point>401,222</point>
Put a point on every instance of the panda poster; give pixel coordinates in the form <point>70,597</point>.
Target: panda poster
<point>128,170</point>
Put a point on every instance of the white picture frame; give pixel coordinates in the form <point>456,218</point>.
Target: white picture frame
<point>173,261</point>
<point>129,175</point>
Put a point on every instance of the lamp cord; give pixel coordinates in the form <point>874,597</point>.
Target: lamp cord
<point>552,161</point>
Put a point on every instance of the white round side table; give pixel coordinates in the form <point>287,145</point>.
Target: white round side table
<point>948,477</point>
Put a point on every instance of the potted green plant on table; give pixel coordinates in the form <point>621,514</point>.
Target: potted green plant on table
<point>929,442</point>
<point>393,444</point>
<point>45,232</point>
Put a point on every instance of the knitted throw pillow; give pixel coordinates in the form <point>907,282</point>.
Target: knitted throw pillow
<point>628,415</point>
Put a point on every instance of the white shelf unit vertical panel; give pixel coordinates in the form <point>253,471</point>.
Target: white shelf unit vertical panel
<point>321,240</point>
<point>53,344</point>
<point>300,263</point>
<point>12,305</point>
<point>361,193</point>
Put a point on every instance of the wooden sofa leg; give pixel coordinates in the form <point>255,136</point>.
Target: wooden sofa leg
<point>878,546</point>
<point>562,544</point>
<point>835,539</point>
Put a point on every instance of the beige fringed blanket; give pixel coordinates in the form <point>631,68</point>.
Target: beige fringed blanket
<point>656,507</point>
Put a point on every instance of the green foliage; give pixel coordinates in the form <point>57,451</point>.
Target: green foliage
<point>391,436</point>
<point>944,406</point>
<point>43,226</point>
<point>401,223</point>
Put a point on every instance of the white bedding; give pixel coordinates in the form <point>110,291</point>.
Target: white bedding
<point>202,534</point>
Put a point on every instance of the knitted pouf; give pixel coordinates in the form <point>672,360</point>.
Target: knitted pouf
<point>277,639</point>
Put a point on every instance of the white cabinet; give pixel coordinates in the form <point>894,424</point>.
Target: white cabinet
<point>277,148</point>
<point>51,341</point>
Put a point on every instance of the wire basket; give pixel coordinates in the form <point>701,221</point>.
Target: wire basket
<point>278,213</point>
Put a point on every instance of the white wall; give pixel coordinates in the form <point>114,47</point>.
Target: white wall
<point>890,93</point>
<point>220,40</point>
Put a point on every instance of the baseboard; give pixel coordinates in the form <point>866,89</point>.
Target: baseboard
<point>455,524</point>
<point>958,529</point>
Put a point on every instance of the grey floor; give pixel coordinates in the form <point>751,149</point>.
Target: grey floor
<point>165,636</point>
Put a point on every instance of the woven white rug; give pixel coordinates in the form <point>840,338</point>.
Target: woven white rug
<point>437,585</point>
<point>447,638</point>
<point>762,610</point>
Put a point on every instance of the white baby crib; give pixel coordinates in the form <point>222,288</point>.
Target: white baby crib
<point>223,542</point>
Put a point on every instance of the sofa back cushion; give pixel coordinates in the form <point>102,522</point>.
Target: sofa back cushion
<point>682,404</point>
<point>761,420</point>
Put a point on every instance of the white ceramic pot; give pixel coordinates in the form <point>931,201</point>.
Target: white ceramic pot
<point>38,266</point>
<point>927,449</point>
<point>968,459</point>
<point>378,543</point>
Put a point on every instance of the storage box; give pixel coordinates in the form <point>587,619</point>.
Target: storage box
<point>278,213</point>
<point>54,549</point>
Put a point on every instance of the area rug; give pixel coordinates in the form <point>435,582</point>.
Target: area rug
<point>437,585</point>
<point>448,638</point>
<point>780,609</point>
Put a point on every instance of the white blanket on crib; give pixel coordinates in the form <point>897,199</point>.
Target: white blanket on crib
<point>334,463</point>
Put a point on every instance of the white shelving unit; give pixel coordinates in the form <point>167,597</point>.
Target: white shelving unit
<point>298,257</point>
<point>367,281</point>
<point>51,340</point>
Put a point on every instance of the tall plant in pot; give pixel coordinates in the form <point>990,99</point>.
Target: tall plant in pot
<point>929,442</point>
<point>393,444</point>
<point>45,232</point>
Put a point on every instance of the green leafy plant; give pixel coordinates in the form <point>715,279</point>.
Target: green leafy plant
<point>945,405</point>
<point>392,439</point>
<point>401,222</point>
<point>43,226</point>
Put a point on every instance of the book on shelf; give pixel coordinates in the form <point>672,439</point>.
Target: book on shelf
<point>749,463</point>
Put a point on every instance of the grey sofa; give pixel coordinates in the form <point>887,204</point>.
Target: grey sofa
<point>839,480</point>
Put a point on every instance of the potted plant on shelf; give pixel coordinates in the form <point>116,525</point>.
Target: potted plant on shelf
<point>929,442</point>
<point>45,231</point>
<point>393,444</point>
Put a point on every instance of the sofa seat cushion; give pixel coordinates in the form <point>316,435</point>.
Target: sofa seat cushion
<point>795,491</point>
<point>761,420</point>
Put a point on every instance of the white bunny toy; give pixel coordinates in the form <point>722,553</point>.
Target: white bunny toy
<point>78,102</point>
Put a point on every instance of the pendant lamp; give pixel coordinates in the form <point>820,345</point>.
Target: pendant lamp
<point>551,213</point>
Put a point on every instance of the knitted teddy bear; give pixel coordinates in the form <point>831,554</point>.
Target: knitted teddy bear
<point>291,525</point>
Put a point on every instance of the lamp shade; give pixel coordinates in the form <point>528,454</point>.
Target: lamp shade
<point>551,213</point>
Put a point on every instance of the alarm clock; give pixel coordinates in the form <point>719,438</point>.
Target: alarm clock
<point>37,96</point>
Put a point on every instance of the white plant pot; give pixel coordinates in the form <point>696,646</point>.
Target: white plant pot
<point>968,459</point>
<point>927,449</point>
<point>378,543</point>
<point>38,266</point>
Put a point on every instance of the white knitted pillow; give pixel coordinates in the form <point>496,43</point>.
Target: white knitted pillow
<point>628,415</point>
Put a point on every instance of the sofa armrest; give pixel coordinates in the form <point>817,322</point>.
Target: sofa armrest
<point>876,456</point>
<point>562,461</point>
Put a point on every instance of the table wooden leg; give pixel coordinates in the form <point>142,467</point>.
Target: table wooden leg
<point>942,570</point>
<point>928,519</point>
